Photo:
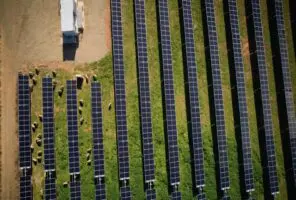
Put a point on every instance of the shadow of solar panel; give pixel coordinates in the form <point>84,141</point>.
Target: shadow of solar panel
<point>50,189</point>
<point>100,191</point>
<point>125,193</point>
<point>97,125</point>
<point>72,122</point>
<point>150,194</point>
<point>48,123</point>
<point>241,94</point>
<point>75,191</point>
<point>24,121</point>
<point>143,79</point>
<point>218,97</point>
<point>168,88</point>
<point>176,196</point>
<point>25,188</point>
<point>119,87</point>
<point>264,89</point>
<point>193,93</point>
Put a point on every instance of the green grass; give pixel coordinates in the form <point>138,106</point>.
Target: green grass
<point>103,69</point>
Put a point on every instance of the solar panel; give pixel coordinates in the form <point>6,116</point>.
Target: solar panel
<point>218,97</point>
<point>72,126</point>
<point>25,188</point>
<point>97,126</point>
<point>196,140</point>
<point>201,196</point>
<point>241,95</point>
<point>150,194</point>
<point>48,123</point>
<point>145,104</point>
<point>286,77</point>
<point>264,89</point>
<point>24,121</point>
<point>169,97</point>
<point>50,189</point>
<point>176,196</point>
<point>119,87</point>
<point>75,191</point>
<point>125,193</point>
<point>100,191</point>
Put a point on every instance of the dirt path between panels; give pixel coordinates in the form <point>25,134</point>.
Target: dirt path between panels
<point>30,33</point>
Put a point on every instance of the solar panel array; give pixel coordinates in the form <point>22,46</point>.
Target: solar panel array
<point>176,196</point>
<point>144,92</point>
<point>287,82</point>
<point>150,194</point>
<point>218,97</point>
<point>72,120</point>
<point>48,137</point>
<point>50,188</point>
<point>241,94</point>
<point>119,87</point>
<point>24,121</point>
<point>125,193</point>
<point>169,97</point>
<point>48,124</point>
<point>98,147</point>
<point>25,188</point>
<point>75,190</point>
<point>264,89</point>
<point>193,94</point>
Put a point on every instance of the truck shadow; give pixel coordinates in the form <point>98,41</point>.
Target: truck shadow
<point>69,52</point>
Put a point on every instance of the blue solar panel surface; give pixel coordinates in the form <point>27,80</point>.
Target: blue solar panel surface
<point>125,193</point>
<point>201,196</point>
<point>75,190</point>
<point>264,89</point>
<point>145,104</point>
<point>24,121</point>
<point>283,49</point>
<point>50,189</point>
<point>176,196</point>
<point>72,121</point>
<point>100,191</point>
<point>48,123</point>
<point>119,87</point>
<point>193,93</point>
<point>169,97</point>
<point>97,126</point>
<point>218,97</point>
<point>241,94</point>
<point>150,194</point>
<point>25,188</point>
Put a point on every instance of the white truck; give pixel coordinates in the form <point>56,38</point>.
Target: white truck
<point>72,20</point>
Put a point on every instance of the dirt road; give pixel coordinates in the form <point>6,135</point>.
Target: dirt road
<point>30,33</point>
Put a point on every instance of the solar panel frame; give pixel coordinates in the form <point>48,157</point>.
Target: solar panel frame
<point>72,124</point>
<point>144,92</point>
<point>25,188</point>
<point>119,89</point>
<point>48,123</point>
<point>169,96</point>
<point>97,128</point>
<point>192,85</point>
<point>286,77</point>
<point>224,182</point>
<point>264,92</point>
<point>24,121</point>
<point>50,189</point>
<point>241,95</point>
